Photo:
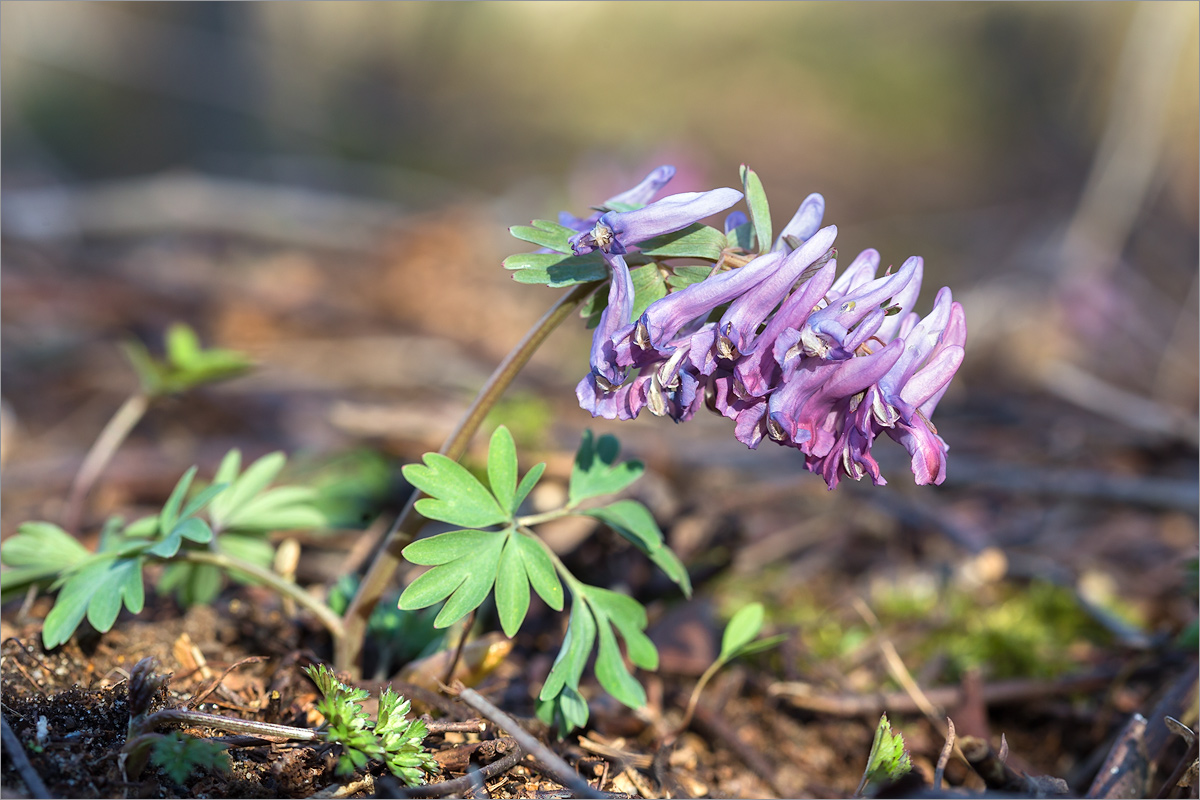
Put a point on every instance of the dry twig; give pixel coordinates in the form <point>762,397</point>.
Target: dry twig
<point>554,766</point>
<point>12,746</point>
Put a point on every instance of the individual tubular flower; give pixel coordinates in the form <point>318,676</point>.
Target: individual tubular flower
<point>616,231</point>
<point>803,224</point>
<point>639,195</point>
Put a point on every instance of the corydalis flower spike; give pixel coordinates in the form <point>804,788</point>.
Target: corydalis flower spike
<point>812,360</point>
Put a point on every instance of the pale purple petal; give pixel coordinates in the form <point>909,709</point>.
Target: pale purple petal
<point>803,224</point>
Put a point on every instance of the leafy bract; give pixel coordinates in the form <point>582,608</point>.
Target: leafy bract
<point>741,237</point>
<point>545,233</point>
<point>633,521</point>
<point>555,269</point>
<point>694,241</point>
<point>596,471</point>
<point>455,495</point>
<point>760,211</point>
<point>683,277</point>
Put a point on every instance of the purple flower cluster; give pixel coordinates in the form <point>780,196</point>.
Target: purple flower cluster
<point>814,362</point>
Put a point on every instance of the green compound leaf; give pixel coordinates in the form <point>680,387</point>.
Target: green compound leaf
<point>170,512</point>
<point>760,211</point>
<point>694,241</point>
<point>527,483</point>
<point>634,522</point>
<point>512,587</point>
<point>446,547</point>
<point>43,544</point>
<point>242,487</point>
<point>629,618</point>
<point>97,589</point>
<point>186,365</point>
<point>180,755</point>
<point>37,553</point>
<point>502,468</point>
<point>455,496</point>
<point>573,655</point>
<point>252,549</point>
<point>248,506</point>
<point>284,508</point>
<point>466,580</point>
<point>540,571</point>
<point>741,630</point>
<point>190,365</point>
<point>193,584</point>
<point>612,674</point>
<point>567,710</point>
<point>596,472</point>
<point>556,270</point>
<point>888,759</point>
<point>545,233</point>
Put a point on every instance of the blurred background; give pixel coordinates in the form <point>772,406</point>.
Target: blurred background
<point>327,186</point>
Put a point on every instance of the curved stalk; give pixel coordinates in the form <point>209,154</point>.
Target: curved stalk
<point>286,588</point>
<point>116,430</point>
<point>349,640</point>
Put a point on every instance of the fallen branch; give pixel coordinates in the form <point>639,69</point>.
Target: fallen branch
<point>810,698</point>
<point>547,759</point>
<point>16,751</point>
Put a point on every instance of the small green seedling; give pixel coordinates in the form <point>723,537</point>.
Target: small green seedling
<point>392,737</point>
<point>738,640</point>
<point>888,760</point>
<point>186,364</point>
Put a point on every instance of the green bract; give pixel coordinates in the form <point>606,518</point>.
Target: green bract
<point>694,241</point>
<point>760,211</point>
